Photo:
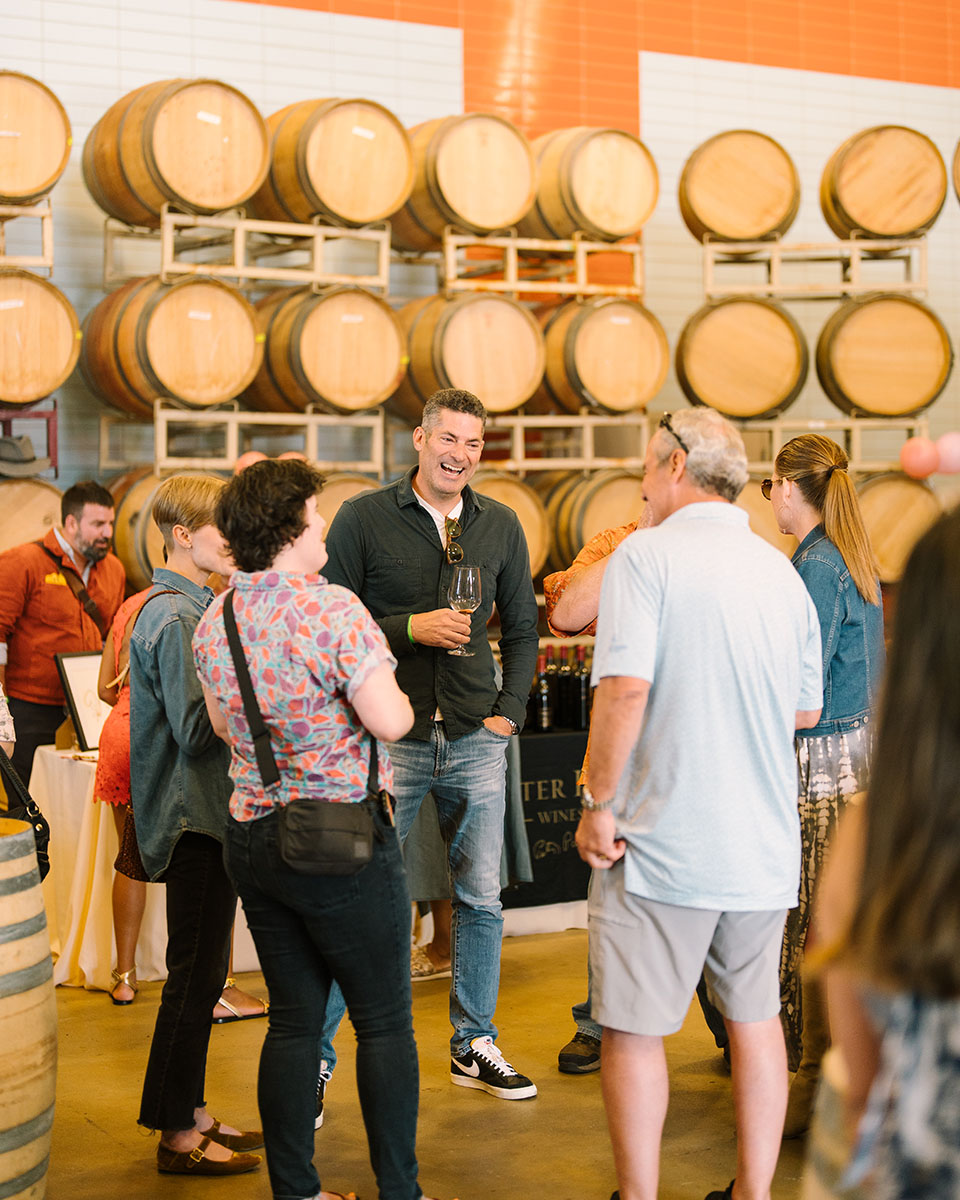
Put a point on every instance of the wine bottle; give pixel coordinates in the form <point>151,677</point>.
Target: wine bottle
<point>544,699</point>
<point>563,717</point>
<point>582,696</point>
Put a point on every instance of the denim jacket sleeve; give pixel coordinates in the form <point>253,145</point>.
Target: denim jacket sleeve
<point>180,688</point>
<point>822,580</point>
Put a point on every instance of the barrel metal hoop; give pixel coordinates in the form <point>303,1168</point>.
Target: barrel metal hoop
<point>19,1135</point>
<point>20,883</point>
<point>26,979</point>
<point>18,1186</point>
<point>23,929</point>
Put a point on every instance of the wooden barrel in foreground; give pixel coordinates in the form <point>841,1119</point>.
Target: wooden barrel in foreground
<point>489,345</point>
<point>342,350</point>
<point>195,341</point>
<point>348,161</point>
<point>897,512</point>
<point>739,186</point>
<point>515,494</point>
<point>35,138</point>
<point>28,1019</point>
<point>601,182</point>
<point>885,182</point>
<point>475,172</point>
<point>884,355</point>
<point>762,521</point>
<point>29,509</point>
<point>39,337</point>
<point>586,505</point>
<point>607,353</point>
<point>743,357</point>
<point>197,144</point>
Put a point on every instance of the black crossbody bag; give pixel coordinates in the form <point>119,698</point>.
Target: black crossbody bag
<point>23,807</point>
<point>317,837</point>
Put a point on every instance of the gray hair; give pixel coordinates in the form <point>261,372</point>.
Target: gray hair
<point>716,456</point>
<point>456,400</point>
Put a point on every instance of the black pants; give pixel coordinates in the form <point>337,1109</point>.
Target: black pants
<point>35,725</point>
<point>201,906</point>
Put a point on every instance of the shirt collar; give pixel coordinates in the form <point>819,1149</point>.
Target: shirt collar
<point>816,534</point>
<point>71,554</point>
<point>406,495</point>
<point>709,510</point>
<point>180,583</point>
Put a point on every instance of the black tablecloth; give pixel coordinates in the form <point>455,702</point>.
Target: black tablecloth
<point>549,766</point>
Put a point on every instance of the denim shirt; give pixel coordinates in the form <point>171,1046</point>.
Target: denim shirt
<point>851,633</point>
<point>178,765</point>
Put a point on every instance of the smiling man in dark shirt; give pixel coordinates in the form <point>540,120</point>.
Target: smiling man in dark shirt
<point>397,548</point>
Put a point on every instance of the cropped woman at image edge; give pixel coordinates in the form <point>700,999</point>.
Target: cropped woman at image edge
<point>813,498</point>
<point>324,681</point>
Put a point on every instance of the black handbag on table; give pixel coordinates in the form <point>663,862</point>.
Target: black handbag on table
<point>22,807</point>
<point>317,837</point>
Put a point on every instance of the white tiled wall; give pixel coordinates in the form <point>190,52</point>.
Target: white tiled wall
<point>684,101</point>
<point>91,52</point>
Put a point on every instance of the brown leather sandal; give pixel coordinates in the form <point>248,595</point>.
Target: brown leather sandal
<point>195,1161</point>
<point>250,1139</point>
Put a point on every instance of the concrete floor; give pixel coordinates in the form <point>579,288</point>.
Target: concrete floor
<point>470,1145</point>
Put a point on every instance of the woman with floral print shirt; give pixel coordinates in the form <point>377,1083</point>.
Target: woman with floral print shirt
<point>324,680</point>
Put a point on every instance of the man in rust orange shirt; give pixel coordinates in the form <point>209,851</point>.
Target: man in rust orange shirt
<point>56,596</point>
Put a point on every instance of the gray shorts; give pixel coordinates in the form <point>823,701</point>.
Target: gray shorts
<point>646,959</point>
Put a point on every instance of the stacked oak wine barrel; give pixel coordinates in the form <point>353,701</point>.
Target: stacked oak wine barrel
<point>39,330</point>
<point>880,354</point>
<point>606,355</point>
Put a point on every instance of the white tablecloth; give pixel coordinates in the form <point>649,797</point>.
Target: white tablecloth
<point>77,891</point>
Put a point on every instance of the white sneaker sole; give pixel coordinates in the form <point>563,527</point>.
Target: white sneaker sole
<point>467,1081</point>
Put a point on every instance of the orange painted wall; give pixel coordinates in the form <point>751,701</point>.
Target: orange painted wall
<point>550,63</point>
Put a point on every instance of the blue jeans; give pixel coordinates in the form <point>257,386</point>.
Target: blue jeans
<point>467,778</point>
<point>310,930</point>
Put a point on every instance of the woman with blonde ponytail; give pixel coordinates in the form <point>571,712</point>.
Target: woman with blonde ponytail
<point>814,499</point>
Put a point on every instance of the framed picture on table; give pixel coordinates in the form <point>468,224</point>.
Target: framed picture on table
<point>79,673</point>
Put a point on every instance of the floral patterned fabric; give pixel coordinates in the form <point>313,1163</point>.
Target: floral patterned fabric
<point>555,585</point>
<point>309,646</point>
<point>909,1137</point>
<point>6,721</point>
<point>830,770</point>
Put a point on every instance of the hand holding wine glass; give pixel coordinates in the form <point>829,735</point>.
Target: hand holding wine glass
<point>464,597</point>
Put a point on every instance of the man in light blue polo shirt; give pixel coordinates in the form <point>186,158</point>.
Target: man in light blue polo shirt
<point>707,660</point>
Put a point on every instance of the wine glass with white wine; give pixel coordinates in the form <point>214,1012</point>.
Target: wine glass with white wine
<point>464,597</point>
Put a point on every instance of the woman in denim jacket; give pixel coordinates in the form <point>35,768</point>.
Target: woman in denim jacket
<point>813,498</point>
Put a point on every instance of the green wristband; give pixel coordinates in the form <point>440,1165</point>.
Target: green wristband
<point>410,630</point>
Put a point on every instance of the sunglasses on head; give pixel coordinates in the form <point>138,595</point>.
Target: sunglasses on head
<point>665,423</point>
<point>453,549</point>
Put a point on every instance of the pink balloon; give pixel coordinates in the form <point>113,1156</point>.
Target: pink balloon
<point>919,457</point>
<point>948,447</point>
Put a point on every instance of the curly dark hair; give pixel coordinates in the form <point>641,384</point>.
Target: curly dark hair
<point>261,510</point>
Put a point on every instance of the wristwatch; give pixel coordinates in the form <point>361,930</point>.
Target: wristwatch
<point>589,804</point>
<point>514,727</point>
